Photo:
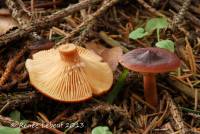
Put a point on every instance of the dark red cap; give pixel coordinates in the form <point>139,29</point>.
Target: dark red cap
<point>150,60</point>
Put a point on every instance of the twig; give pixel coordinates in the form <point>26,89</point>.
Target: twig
<point>188,15</point>
<point>165,113</point>
<point>21,16</point>
<point>183,87</point>
<point>12,100</point>
<point>9,85</point>
<point>111,41</point>
<point>45,22</point>
<point>154,11</point>
<point>144,102</point>
<point>190,56</point>
<point>9,122</point>
<point>22,5</point>
<point>150,8</point>
<point>11,65</point>
<point>33,7</point>
<point>20,13</point>
<point>191,111</point>
<point>106,5</point>
<point>101,109</point>
<point>151,125</point>
<point>46,4</point>
<point>175,114</point>
<point>193,8</point>
<point>182,12</point>
<point>90,22</point>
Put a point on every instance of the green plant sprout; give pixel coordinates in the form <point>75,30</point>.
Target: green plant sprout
<point>166,44</point>
<point>150,27</point>
<point>15,115</point>
<point>9,130</point>
<point>138,33</point>
<point>101,130</point>
<point>118,87</point>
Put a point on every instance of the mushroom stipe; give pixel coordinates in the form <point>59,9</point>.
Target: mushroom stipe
<point>150,61</point>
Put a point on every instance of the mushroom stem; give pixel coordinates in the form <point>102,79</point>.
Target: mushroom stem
<point>150,90</point>
<point>69,54</point>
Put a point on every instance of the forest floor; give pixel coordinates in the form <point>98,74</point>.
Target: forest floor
<point>100,25</point>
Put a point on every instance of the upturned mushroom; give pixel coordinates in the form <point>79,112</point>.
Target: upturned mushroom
<point>69,73</point>
<point>150,61</point>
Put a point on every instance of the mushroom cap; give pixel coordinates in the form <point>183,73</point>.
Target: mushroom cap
<point>4,12</point>
<point>69,73</point>
<point>150,60</point>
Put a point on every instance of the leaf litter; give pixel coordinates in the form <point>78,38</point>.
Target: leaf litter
<point>129,112</point>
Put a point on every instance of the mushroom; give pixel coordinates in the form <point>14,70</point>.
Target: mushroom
<point>69,73</point>
<point>4,12</point>
<point>150,61</point>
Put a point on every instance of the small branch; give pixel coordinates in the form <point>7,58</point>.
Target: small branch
<point>152,10</point>
<point>22,5</point>
<point>102,109</point>
<point>151,125</point>
<point>111,41</point>
<point>45,22</point>
<point>90,22</point>
<point>106,5</point>
<point>22,17</point>
<point>11,65</point>
<point>182,12</point>
<point>144,102</point>
<point>175,114</point>
<point>193,7</point>
<point>12,100</point>
<point>6,121</point>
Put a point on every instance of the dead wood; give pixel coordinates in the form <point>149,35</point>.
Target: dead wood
<point>188,15</point>
<point>13,100</point>
<point>45,22</point>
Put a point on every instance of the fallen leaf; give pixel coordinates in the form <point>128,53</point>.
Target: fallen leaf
<point>4,12</point>
<point>111,56</point>
<point>7,23</point>
<point>95,47</point>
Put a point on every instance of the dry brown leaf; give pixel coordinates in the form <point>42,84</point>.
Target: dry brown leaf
<point>4,12</point>
<point>96,47</point>
<point>7,23</point>
<point>109,55</point>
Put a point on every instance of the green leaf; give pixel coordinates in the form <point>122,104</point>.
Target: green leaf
<point>166,44</point>
<point>24,122</point>
<point>156,23</point>
<point>15,115</point>
<point>118,86</point>
<point>9,130</point>
<point>138,33</point>
<point>101,130</point>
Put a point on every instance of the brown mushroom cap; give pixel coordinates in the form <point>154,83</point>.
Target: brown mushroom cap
<point>150,60</point>
<point>4,12</point>
<point>69,73</point>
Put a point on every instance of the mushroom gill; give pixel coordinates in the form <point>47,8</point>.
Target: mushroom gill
<point>69,73</point>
